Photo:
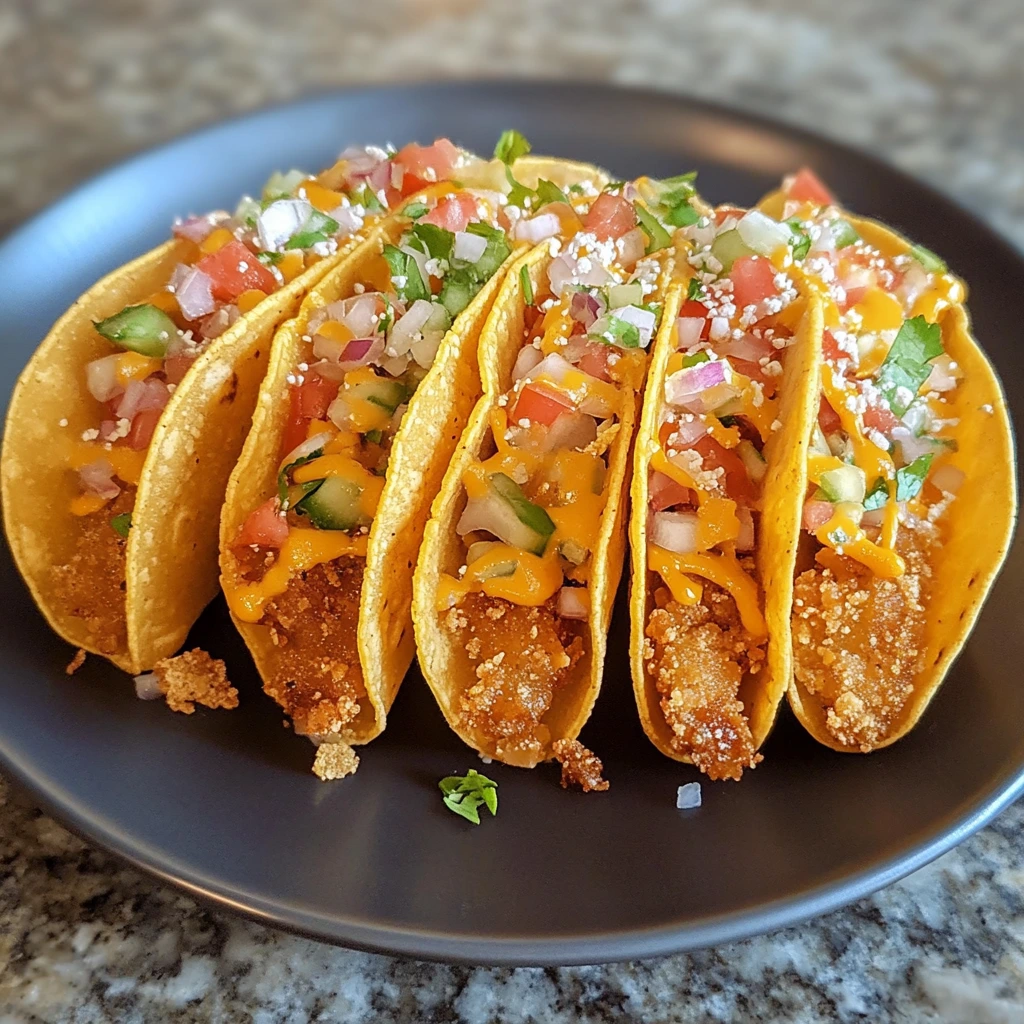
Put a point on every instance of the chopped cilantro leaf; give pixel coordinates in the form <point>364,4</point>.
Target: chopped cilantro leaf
<point>877,496</point>
<point>518,194</point>
<point>682,215</point>
<point>728,421</point>
<point>526,285</point>
<point>387,318</point>
<point>910,478</point>
<point>906,366</point>
<point>801,239</point>
<point>511,146</point>
<point>318,228</point>
<point>415,210</point>
<point>121,524</point>
<point>436,241</point>
<point>282,477</point>
<point>576,189</point>
<point>549,192</point>
<point>932,262</point>
<point>844,234</point>
<point>466,794</point>
<point>270,259</point>
<point>614,186</point>
<point>374,436</point>
<point>495,253</point>
<point>655,308</point>
<point>405,269</point>
<point>657,236</point>
<point>695,289</point>
<point>368,200</point>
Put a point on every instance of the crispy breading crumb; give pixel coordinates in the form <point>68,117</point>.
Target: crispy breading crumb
<point>75,663</point>
<point>334,761</point>
<point>195,678</point>
<point>580,767</point>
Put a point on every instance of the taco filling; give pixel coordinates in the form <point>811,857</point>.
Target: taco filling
<point>535,508</point>
<point>719,408</point>
<point>880,480</point>
<point>302,552</point>
<point>230,263</point>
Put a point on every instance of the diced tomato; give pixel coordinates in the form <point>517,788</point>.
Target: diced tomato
<point>830,348</point>
<point>724,212</point>
<point>595,360</point>
<point>816,514</point>
<point>234,269</point>
<point>738,484</point>
<point>141,432</point>
<point>753,279</point>
<point>666,492</point>
<point>315,394</point>
<point>878,417</point>
<point>541,405</point>
<point>265,526</point>
<point>295,428</point>
<point>828,418</point>
<point>807,187</point>
<point>755,371</point>
<point>853,296</point>
<point>610,217</point>
<point>176,366</point>
<point>453,212</point>
<point>426,165</point>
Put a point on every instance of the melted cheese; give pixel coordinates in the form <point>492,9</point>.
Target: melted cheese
<point>532,582</point>
<point>127,462</point>
<point>304,549</point>
<point>134,366</point>
<point>843,534</point>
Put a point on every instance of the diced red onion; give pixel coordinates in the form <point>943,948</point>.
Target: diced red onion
<point>147,686</point>
<point>217,323</point>
<point>310,445</point>
<point>948,478</point>
<point>688,432</point>
<point>572,603</point>
<point>328,369</point>
<point>631,246</point>
<point>101,378</point>
<point>561,272</point>
<point>196,229</point>
<point>874,517</point>
<point>469,247</point>
<point>575,345</point>
<point>911,446</point>
<point>140,396</point>
<point>745,539</point>
<point>674,531</point>
<point>527,359</point>
<point>396,417</point>
<point>193,291</point>
<point>748,347</point>
<point>643,320</point>
<point>349,222</point>
<point>383,175</point>
<point>597,276</point>
<point>98,478</point>
<point>688,330</point>
<point>683,386</point>
<point>536,229</point>
<point>586,308</point>
<point>360,351</point>
<point>356,313</point>
<point>914,283</point>
<point>816,514</point>
<point>664,492</point>
<point>360,161</point>
<point>108,430</point>
<point>395,365</point>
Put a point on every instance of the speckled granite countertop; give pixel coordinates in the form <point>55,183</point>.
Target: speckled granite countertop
<point>935,87</point>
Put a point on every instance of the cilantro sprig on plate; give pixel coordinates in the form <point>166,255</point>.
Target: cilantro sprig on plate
<point>466,794</point>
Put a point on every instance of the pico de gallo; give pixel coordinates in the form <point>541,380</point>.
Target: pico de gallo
<point>718,409</point>
<point>303,550</point>
<point>880,478</point>
<point>520,604</point>
<point>230,263</point>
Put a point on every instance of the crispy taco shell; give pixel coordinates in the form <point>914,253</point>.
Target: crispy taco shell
<point>977,529</point>
<point>131,602</point>
<point>782,497</point>
<point>445,663</point>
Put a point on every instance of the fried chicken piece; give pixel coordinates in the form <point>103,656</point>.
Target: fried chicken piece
<point>580,766</point>
<point>195,678</point>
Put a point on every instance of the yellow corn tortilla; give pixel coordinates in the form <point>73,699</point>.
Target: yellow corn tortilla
<point>443,660</point>
<point>782,504</point>
<point>977,528</point>
<point>169,569</point>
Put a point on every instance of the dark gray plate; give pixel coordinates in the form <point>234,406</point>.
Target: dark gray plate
<point>223,804</point>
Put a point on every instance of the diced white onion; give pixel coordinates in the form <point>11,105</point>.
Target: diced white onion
<point>674,531</point>
<point>424,350</point>
<point>948,478</point>
<point>310,445</point>
<point>552,367</point>
<point>469,247</point>
<point>193,292</point>
<point>688,796</point>
<point>745,541</point>
<point>688,332</point>
<point>408,327</point>
<point>536,229</point>
<point>643,320</point>
<point>911,447</point>
<point>572,603</point>
<point>943,377</point>
<point>101,378</point>
<point>147,686</point>
<point>280,220</point>
<point>98,478</point>
<point>631,247</point>
<point>527,359</point>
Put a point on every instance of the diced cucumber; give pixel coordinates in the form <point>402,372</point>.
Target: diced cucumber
<point>931,261</point>
<point>143,329</point>
<point>385,392</point>
<point>844,234</point>
<point>753,460</point>
<point>537,525</point>
<point>625,295</point>
<point>439,320</point>
<point>573,551</point>
<point>728,247</point>
<point>845,483</point>
<point>334,505</point>
<point>477,550</point>
<point>457,292</point>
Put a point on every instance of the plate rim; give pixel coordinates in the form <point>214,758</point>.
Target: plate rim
<point>543,950</point>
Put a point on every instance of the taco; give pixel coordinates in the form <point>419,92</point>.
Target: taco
<point>522,555</point>
<point>131,414</point>
<point>366,396</point>
<point>715,520</point>
<point>910,478</point>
